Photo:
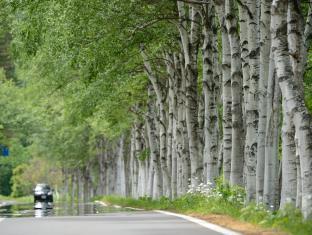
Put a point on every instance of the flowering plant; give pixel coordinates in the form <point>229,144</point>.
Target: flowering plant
<point>218,190</point>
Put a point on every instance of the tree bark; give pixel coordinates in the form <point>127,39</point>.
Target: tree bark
<point>252,113</point>
<point>121,180</point>
<point>162,123</point>
<point>211,134</point>
<point>101,163</point>
<point>181,133</point>
<point>271,163</point>
<point>265,45</point>
<point>226,95</point>
<point>134,165</point>
<point>237,157</point>
<point>171,132</point>
<point>190,43</point>
<point>154,147</point>
<point>293,100</point>
<point>243,34</point>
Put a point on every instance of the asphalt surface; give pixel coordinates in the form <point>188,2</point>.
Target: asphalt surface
<point>123,223</point>
<point>96,219</point>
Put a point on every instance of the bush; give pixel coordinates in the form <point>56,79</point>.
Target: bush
<point>20,187</point>
<point>5,178</point>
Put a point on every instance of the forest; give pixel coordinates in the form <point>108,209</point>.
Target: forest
<point>146,98</point>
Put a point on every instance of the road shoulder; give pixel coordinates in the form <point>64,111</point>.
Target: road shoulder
<point>200,222</point>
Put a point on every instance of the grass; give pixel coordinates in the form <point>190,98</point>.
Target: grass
<point>288,220</point>
<point>25,199</point>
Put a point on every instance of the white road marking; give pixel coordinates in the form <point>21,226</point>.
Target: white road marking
<point>102,203</point>
<point>1,219</point>
<point>135,209</point>
<point>203,223</point>
<point>116,206</point>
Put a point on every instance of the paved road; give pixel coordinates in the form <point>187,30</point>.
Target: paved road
<point>124,223</point>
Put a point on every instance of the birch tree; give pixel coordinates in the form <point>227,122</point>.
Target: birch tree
<point>181,131</point>
<point>252,113</point>
<point>211,136</point>
<point>265,45</point>
<point>162,122</point>
<point>190,43</point>
<point>237,158</point>
<point>272,134</point>
<point>243,33</point>
<point>293,99</point>
<point>226,93</point>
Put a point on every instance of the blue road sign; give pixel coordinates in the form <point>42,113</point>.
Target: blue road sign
<point>5,152</point>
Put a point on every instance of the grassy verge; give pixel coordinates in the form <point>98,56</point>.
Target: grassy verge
<point>288,220</point>
<point>26,199</point>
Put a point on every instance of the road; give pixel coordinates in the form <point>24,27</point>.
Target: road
<point>23,222</point>
<point>124,223</point>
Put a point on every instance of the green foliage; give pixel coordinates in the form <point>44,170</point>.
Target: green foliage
<point>254,213</point>
<point>308,92</point>
<point>288,219</point>
<point>79,75</point>
<point>308,83</point>
<point>20,187</point>
<point>37,170</point>
<point>234,194</point>
<point>5,177</point>
<point>144,154</point>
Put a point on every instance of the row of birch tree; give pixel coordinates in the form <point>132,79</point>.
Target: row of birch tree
<point>224,94</point>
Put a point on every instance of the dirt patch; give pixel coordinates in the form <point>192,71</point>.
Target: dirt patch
<point>236,225</point>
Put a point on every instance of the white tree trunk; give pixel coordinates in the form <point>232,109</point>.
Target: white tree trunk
<point>294,100</point>
<point>237,157</point>
<point>171,131</point>
<point>270,192</point>
<point>252,113</point>
<point>162,123</point>
<point>190,43</point>
<point>154,148</point>
<point>174,169</point>
<point>265,45</point>
<point>134,165</point>
<point>226,95</point>
<point>127,152</point>
<point>290,162</point>
<point>101,163</point>
<point>121,180</point>
<point>141,161</point>
<point>243,34</point>
<point>211,135</point>
<point>176,80</point>
<point>299,184</point>
<point>289,168</point>
<point>181,133</point>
